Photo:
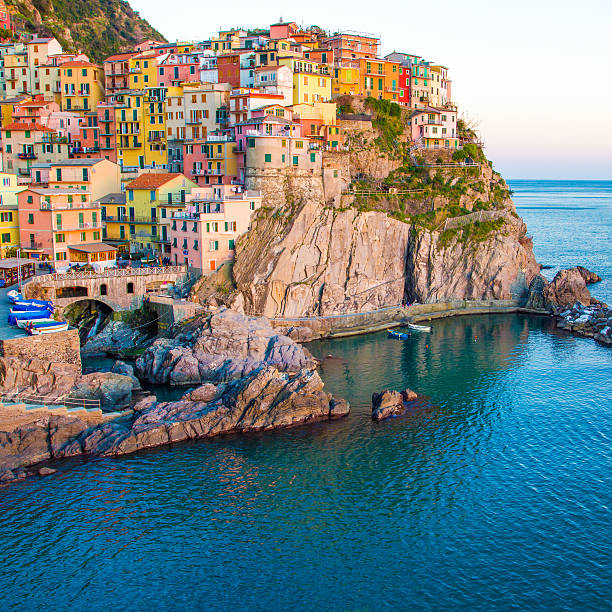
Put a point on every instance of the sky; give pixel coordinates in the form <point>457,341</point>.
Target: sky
<point>535,76</point>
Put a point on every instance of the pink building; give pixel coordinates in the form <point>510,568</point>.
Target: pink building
<point>179,68</point>
<point>434,128</point>
<point>53,221</point>
<point>37,110</point>
<point>204,235</point>
<point>244,101</point>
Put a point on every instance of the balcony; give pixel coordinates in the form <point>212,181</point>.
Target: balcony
<point>68,205</point>
<point>75,227</point>
<point>157,138</point>
<point>130,145</point>
<point>27,155</point>
<point>106,119</point>
<point>161,240</point>
<point>33,245</point>
<point>193,121</point>
<point>135,70</point>
<point>131,219</point>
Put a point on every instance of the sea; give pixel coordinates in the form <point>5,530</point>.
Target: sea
<point>493,493</point>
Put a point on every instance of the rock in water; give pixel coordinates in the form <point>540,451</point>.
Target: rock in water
<point>390,403</point>
<point>227,345</point>
<point>265,399</point>
<point>567,288</point>
<point>589,277</point>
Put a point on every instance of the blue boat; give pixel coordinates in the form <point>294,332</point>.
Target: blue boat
<point>32,305</point>
<point>14,296</point>
<point>398,335</point>
<point>17,315</point>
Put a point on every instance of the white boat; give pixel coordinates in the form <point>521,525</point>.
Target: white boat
<point>49,329</point>
<point>422,328</point>
<point>23,323</point>
<point>13,295</point>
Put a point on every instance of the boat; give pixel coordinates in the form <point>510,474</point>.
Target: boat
<point>34,329</point>
<point>13,295</point>
<point>398,335</point>
<point>23,323</point>
<point>32,305</point>
<point>18,315</point>
<point>422,328</point>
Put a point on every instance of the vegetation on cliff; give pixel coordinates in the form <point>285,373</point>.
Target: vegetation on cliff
<point>98,28</point>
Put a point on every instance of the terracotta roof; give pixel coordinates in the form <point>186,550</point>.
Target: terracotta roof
<point>152,181</point>
<point>36,103</point>
<point>27,127</point>
<point>91,247</point>
<point>76,64</point>
<point>119,56</point>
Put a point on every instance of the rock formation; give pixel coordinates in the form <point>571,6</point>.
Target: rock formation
<point>221,347</point>
<point>265,399</point>
<point>402,233</point>
<point>391,403</point>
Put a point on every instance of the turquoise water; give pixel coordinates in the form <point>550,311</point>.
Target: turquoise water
<point>494,493</point>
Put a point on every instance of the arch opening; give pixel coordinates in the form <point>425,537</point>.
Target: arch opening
<point>89,316</point>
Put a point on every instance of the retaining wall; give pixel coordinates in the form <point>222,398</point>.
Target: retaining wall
<point>60,347</point>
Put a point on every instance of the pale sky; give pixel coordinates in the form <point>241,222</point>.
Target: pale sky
<point>535,75</point>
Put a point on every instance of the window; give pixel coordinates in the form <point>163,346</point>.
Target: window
<point>96,235</point>
<point>268,158</point>
<point>313,157</point>
<point>130,287</point>
<point>295,160</point>
<point>31,218</point>
<point>252,205</point>
<point>230,244</point>
<point>130,195</point>
<point>103,289</point>
<point>299,144</point>
<point>153,195</point>
<point>60,238</point>
<point>251,143</point>
<point>58,174</point>
<point>6,238</point>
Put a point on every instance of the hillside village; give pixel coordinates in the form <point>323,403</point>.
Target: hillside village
<point>163,153</point>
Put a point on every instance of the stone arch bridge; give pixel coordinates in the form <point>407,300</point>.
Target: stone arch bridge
<point>120,290</point>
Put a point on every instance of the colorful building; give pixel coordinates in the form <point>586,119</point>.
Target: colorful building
<point>435,128</point>
<point>117,72</point>
<point>9,213</point>
<point>311,80</point>
<point>351,46</point>
<point>204,234</point>
<point>51,220</point>
<point>82,86</point>
<point>150,200</point>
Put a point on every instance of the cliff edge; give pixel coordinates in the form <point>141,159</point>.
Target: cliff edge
<point>383,222</point>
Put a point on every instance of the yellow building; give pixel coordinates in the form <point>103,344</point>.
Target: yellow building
<point>141,130</point>
<point>9,215</point>
<point>227,41</point>
<point>311,80</point>
<point>143,70</point>
<point>81,84</point>
<point>143,215</point>
<point>346,82</point>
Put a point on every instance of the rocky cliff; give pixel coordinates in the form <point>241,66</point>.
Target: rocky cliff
<point>381,224</point>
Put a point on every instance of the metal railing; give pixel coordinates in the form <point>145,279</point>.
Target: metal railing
<point>39,400</point>
<point>109,273</point>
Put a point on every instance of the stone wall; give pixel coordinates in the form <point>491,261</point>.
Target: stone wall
<point>60,347</point>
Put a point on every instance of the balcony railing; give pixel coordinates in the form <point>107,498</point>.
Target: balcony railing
<point>68,205</point>
<point>78,226</point>
<point>33,244</point>
<point>27,155</point>
<point>130,219</point>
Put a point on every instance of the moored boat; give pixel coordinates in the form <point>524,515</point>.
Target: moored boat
<point>19,315</point>
<point>23,323</point>
<point>34,330</point>
<point>398,335</point>
<point>32,305</point>
<point>422,328</point>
